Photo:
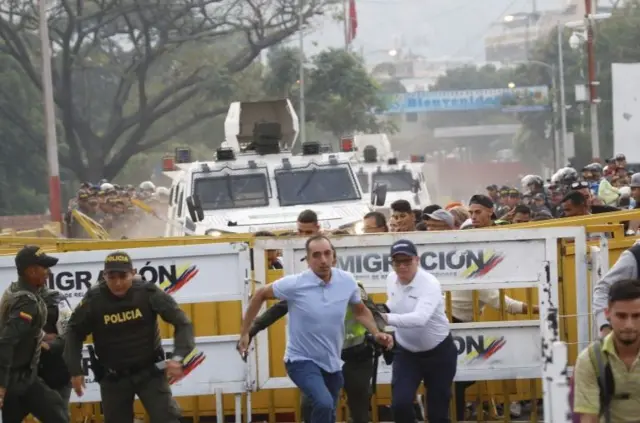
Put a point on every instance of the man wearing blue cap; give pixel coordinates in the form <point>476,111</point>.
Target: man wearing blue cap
<point>424,350</point>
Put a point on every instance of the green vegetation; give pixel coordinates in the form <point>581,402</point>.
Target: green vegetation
<point>339,93</point>
<point>132,81</point>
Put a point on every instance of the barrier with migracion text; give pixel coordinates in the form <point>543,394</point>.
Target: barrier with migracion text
<point>223,318</point>
<point>193,274</point>
<point>463,260</point>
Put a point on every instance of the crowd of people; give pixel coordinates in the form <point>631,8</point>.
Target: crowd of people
<point>114,207</point>
<point>567,194</point>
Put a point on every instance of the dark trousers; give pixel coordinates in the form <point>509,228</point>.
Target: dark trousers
<point>357,385</point>
<point>37,398</point>
<point>320,387</point>
<point>152,389</point>
<point>436,368</point>
<point>461,399</point>
<point>65,393</point>
<point>460,389</point>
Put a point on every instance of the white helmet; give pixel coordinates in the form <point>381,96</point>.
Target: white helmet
<point>162,192</point>
<point>106,187</point>
<point>530,180</point>
<point>147,186</point>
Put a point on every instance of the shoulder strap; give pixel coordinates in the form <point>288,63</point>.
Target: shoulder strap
<point>601,363</point>
<point>635,250</point>
<point>368,302</point>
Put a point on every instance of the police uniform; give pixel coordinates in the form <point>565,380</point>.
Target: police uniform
<point>357,354</point>
<point>128,345</point>
<point>23,314</point>
<point>52,370</point>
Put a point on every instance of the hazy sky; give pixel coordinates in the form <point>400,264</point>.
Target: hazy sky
<point>433,28</point>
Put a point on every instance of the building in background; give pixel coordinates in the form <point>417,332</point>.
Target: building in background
<point>512,37</point>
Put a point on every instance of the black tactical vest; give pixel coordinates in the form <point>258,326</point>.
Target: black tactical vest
<point>26,352</point>
<point>125,333</point>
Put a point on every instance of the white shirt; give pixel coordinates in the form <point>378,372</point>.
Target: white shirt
<point>462,303</point>
<point>417,311</point>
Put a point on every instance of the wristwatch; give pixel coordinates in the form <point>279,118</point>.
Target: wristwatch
<point>177,358</point>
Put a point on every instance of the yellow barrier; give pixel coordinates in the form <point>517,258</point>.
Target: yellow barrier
<point>212,319</point>
<point>593,219</point>
<point>50,230</point>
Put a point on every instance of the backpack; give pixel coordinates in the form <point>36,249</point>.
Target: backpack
<point>606,384</point>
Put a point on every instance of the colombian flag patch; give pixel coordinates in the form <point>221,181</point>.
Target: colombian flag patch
<point>25,316</point>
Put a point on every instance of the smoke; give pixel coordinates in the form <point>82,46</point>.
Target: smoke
<point>140,225</point>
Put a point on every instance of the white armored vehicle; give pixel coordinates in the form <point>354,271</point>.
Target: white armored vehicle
<point>255,183</point>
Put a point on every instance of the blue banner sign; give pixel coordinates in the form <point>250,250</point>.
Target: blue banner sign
<point>520,99</point>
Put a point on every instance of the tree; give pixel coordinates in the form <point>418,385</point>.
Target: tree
<point>283,72</point>
<point>340,96</point>
<point>23,184</point>
<point>615,42</point>
<point>392,86</point>
<point>121,68</point>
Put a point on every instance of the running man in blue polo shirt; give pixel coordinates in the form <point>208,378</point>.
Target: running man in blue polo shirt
<point>317,300</point>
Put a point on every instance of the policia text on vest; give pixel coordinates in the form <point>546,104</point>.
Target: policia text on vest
<point>357,354</point>
<point>127,344</point>
<point>23,314</point>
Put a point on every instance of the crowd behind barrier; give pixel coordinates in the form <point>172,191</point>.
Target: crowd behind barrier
<point>594,192</point>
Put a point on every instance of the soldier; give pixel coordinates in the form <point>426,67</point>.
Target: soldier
<point>121,313</point>
<point>23,314</point>
<point>357,354</point>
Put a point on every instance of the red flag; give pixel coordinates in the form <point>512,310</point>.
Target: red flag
<point>352,22</point>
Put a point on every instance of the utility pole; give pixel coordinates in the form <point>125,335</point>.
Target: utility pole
<point>302,117</point>
<point>563,100</point>
<point>593,84</point>
<point>55,203</point>
<point>345,16</point>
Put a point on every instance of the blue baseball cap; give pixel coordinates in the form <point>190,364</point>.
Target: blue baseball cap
<point>404,247</point>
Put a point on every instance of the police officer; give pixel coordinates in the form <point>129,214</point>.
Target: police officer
<point>357,354</point>
<point>53,370</point>
<point>121,313</point>
<point>23,314</point>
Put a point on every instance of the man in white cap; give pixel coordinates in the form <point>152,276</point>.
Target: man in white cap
<point>439,220</point>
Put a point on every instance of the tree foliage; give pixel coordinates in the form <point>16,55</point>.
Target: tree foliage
<point>130,75</point>
<point>340,95</point>
<point>615,42</point>
<point>23,184</point>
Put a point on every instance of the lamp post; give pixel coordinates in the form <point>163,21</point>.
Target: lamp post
<point>55,203</point>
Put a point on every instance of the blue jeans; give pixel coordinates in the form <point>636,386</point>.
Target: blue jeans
<point>320,387</point>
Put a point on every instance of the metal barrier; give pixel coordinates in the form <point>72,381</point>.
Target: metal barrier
<point>223,319</point>
<point>464,260</point>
